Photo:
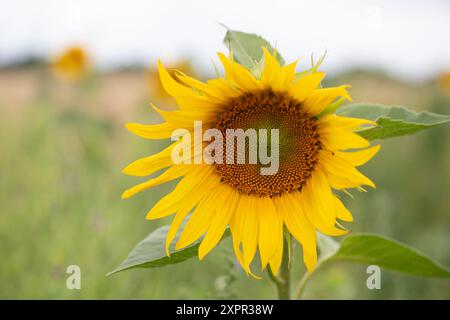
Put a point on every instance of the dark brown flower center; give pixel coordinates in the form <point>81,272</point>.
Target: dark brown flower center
<point>298,143</point>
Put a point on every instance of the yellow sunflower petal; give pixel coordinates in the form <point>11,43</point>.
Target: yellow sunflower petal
<point>175,225</point>
<point>197,103</point>
<point>225,87</point>
<point>152,131</point>
<point>318,204</point>
<point>191,200</point>
<point>299,226</point>
<point>194,182</point>
<point>185,119</point>
<point>285,77</point>
<point>340,171</point>
<point>238,74</point>
<point>333,122</point>
<point>275,261</point>
<point>270,226</point>
<point>303,87</point>
<point>248,224</point>
<point>236,232</point>
<point>235,227</point>
<point>271,69</point>
<point>170,174</point>
<point>310,260</point>
<point>218,90</point>
<point>319,99</point>
<point>148,165</point>
<point>173,87</point>
<point>297,223</point>
<point>200,220</point>
<point>341,140</point>
<point>358,158</point>
<point>186,98</point>
<point>342,212</point>
<point>227,204</point>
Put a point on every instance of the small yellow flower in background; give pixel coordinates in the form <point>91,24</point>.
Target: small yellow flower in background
<point>72,65</point>
<point>313,153</point>
<point>443,81</point>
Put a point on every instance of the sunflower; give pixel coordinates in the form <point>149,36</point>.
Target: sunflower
<point>318,154</point>
<point>71,65</point>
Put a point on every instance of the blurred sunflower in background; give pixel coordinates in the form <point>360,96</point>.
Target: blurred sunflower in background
<point>72,65</point>
<point>313,154</point>
<point>443,81</point>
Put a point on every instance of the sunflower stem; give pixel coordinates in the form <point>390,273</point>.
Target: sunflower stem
<point>304,280</point>
<point>302,285</point>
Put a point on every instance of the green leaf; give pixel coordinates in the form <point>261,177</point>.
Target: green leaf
<point>391,121</point>
<point>247,48</point>
<point>388,253</point>
<point>150,252</point>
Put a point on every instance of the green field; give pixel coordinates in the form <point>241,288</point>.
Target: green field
<point>61,180</point>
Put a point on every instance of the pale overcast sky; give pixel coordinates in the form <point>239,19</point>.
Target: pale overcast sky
<point>409,38</point>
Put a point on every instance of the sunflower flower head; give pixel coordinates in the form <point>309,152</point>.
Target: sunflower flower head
<point>72,65</point>
<point>318,154</point>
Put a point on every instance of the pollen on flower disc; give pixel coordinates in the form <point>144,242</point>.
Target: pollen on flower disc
<point>299,143</point>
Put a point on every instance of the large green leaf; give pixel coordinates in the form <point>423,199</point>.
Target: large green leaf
<point>391,121</point>
<point>387,253</point>
<point>150,252</point>
<point>247,48</point>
